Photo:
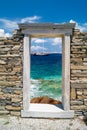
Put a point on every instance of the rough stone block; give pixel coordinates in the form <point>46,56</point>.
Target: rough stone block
<point>2,62</point>
<point>15,100</point>
<point>2,108</point>
<point>6,83</point>
<point>85,91</point>
<point>14,113</point>
<point>79,85</point>
<point>76,102</point>
<point>80,107</point>
<point>73,94</point>
<point>16,47</point>
<point>18,92</point>
<point>78,113</point>
<point>78,67</point>
<point>85,101</point>
<point>9,107</point>
<point>4,112</point>
<point>79,96</point>
<point>17,69</point>
<point>79,92</point>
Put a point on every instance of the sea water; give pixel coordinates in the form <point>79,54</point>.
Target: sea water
<point>46,76</point>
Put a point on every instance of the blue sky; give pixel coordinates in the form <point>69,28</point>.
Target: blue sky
<point>30,11</point>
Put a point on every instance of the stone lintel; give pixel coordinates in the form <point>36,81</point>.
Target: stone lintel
<point>54,26</point>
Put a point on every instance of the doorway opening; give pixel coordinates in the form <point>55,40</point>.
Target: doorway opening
<point>46,70</point>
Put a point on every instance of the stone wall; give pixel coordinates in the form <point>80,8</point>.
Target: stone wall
<point>11,74</point>
<point>11,56</point>
<point>79,73</point>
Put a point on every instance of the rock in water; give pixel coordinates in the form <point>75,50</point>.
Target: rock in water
<point>45,100</point>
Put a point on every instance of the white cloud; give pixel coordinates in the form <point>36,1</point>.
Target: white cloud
<point>37,48</point>
<point>10,25</point>
<point>3,34</point>
<point>82,27</point>
<point>30,19</point>
<point>39,40</point>
<point>57,41</point>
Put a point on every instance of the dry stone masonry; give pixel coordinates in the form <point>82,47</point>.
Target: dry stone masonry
<point>11,74</point>
<point>78,62</point>
<point>11,51</point>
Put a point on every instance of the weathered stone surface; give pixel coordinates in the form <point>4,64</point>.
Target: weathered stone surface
<point>9,107</point>
<point>85,91</point>
<point>78,113</point>
<point>85,113</point>
<point>4,112</point>
<point>2,62</point>
<point>2,108</point>
<point>17,47</point>
<point>16,69</point>
<point>80,107</point>
<point>9,55</point>
<point>79,85</point>
<point>2,69</point>
<point>85,59</point>
<point>76,102</point>
<point>73,93</point>
<point>85,101</point>
<point>15,113</point>
<point>15,100</point>
<point>79,92</point>
<point>16,104</point>
<point>18,92</point>
<point>8,90</point>
<point>6,83</point>
<point>78,67</point>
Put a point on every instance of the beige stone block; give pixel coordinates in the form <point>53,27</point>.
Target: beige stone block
<point>73,94</point>
<point>79,75</point>
<point>76,102</point>
<point>2,78</point>
<point>75,71</point>
<point>79,92</point>
<point>14,78</point>
<point>2,96</point>
<point>18,92</point>
<point>14,113</point>
<point>15,100</point>
<point>80,107</point>
<point>10,56</point>
<point>85,101</point>
<point>78,67</point>
<point>2,69</point>
<point>2,62</point>
<point>16,47</point>
<point>6,83</point>
<point>79,97</point>
<point>84,96</point>
<point>79,85</point>
<point>9,107</point>
<point>85,91</point>
<point>84,63</point>
<point>17,69</point>
<point>85,59</point>
<point>4,112</point>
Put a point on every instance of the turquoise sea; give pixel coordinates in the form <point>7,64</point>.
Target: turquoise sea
<point>46,76</point>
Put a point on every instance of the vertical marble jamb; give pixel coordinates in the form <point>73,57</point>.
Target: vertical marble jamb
<point>66,72</point>
<point>26,72</point>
